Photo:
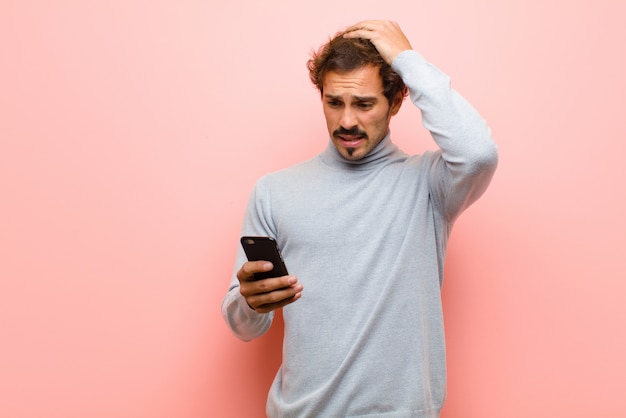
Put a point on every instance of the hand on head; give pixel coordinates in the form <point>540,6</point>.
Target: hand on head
<point>386,36</point>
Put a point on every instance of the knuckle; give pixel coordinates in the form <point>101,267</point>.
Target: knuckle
<point>263,285</point>
<point>242,274</point>
<point>273,298</point>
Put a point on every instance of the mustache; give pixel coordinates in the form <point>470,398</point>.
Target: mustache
<point>352,131</point>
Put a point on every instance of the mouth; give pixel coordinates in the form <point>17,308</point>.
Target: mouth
<point>351,140</point>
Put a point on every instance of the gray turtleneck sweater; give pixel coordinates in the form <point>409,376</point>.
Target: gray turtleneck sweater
<point>367,240</point>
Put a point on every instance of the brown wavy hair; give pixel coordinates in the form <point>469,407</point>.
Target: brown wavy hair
<point>343,54</point>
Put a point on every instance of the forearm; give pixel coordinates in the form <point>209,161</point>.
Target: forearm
<point>457,128</point>
<point>244,322</point>
<point>468,153</point>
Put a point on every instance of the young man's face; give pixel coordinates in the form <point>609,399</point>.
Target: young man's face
<point>356,110</point>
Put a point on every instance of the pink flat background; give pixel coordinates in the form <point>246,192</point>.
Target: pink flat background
<point>131,133</point>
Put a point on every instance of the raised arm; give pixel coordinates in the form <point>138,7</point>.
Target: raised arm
<point>468,156</point>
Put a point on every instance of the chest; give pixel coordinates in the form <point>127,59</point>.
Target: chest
<point>330,212</point>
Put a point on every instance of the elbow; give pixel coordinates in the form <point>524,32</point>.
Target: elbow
<point>488,158</point>
<point>483,161</point>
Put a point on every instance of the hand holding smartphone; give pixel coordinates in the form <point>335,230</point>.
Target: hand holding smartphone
<point>266,249</point>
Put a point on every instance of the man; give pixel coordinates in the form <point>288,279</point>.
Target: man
<point>364,227</point>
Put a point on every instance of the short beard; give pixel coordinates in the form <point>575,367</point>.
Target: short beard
<point>352,131</point>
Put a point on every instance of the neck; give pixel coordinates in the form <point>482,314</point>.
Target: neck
<point>379,155</point>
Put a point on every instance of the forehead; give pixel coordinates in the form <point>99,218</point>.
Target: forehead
<point>364,81</point>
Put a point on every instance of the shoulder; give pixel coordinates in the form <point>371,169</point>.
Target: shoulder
<point>421,161</point>
<point>289,177</point>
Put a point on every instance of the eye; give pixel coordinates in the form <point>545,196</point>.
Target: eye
<point>365,105</point>
<point>333,103</point>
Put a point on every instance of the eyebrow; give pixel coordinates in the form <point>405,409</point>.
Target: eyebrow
<point>358,98</point>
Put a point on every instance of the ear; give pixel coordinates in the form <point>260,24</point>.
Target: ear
<point>396,104</point>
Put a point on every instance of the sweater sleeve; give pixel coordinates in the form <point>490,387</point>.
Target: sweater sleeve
<point>243,321</point>
<point>463,167</point>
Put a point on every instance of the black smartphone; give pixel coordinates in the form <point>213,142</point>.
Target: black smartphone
<point>264,248</point>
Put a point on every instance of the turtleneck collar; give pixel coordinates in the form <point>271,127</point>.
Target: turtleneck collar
<point>380,155</point>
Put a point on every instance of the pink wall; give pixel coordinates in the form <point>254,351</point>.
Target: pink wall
<point>131,133</point>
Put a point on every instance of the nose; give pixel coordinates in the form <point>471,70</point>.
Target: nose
<point>348,118</point>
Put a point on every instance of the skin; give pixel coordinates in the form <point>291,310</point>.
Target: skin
<point>357,117</point>
<point>266,295</point>
<point>356,110</point>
